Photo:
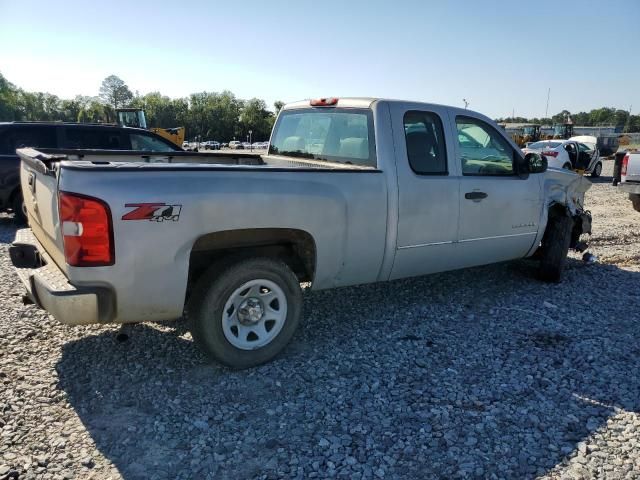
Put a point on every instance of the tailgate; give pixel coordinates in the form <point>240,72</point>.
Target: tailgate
<point>39,182</point>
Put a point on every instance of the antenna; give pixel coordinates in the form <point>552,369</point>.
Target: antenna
<point>466,103</point>
<point>546,110</point>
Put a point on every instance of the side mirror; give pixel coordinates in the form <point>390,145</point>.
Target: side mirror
<point>535,163</point>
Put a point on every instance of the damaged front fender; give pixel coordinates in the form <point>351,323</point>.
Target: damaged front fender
<point>564,187</point>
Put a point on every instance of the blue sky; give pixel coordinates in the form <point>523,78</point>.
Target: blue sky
<point>500,55</point>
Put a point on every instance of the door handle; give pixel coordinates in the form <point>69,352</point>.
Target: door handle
<point>475,195</point>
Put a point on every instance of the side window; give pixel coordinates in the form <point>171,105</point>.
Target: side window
<point>27,136</point>
<point>424,137</point>
<point>147,143</point>
<point>93,138</point>
<point>483,150</point>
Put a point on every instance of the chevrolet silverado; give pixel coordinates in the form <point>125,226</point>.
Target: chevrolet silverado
<point>350,191</point>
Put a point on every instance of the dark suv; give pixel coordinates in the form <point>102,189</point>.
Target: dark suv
<point>61,135</point>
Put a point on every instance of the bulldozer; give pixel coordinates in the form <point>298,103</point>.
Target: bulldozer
<point>562,131</point>
<point>134,117</point>
<point>522,133</point>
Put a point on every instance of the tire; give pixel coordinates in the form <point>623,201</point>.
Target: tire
<point>635,201</point>
<point>597,170</point>
<point>555,246</point>
<point>567,166</point>
<point>19,210</point>
<point>223,292</point>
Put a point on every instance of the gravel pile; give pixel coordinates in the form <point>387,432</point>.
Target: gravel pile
<point>484,373</point>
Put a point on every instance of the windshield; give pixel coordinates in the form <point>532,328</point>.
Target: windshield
<point>530,130</point>
<point>336,135</point>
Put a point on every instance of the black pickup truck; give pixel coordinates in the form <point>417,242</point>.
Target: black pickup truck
<point>63,135</point>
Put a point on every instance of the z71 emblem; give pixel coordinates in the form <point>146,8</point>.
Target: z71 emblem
<point>154,212</point>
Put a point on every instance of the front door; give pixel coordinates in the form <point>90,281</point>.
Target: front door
<point>499,211</point>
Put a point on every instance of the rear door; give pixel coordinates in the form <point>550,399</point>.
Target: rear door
<point>499,211</point>
<point>428,190</point>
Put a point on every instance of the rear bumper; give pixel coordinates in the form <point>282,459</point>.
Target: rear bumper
<point>50,290</point>
<point>630,187</point>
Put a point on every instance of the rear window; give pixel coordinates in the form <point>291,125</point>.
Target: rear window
<point>541,145</point>
<point>335,135</point>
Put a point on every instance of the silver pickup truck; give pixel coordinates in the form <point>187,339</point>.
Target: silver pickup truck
<point>351,191</point>
<point>630,177</point>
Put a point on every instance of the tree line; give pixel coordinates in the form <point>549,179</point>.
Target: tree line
<point>206,115</point>
<point>596,117</point>
<point>212,115</point>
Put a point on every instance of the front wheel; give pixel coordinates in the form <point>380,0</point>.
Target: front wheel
<point>245,314</point>
<point>19,209</point>
<point>567,166</point>
<point>635,201</point>
<point>555,246</point>
<point>597,170</point>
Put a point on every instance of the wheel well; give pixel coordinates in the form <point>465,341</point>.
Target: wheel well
<point>295,247</point>
<point>15,192</point>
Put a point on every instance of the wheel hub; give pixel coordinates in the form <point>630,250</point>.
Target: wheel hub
<point>250,311</point>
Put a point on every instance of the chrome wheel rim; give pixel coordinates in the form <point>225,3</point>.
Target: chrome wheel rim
<point>254,314</point>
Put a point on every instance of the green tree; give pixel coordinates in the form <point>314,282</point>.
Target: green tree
<point>95,112</point>
<point>9,104</point>
<point>277,105</point>
<point>115,92</point>
<point>257,118</point>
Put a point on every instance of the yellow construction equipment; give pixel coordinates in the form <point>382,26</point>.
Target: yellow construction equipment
<point>134,117</point>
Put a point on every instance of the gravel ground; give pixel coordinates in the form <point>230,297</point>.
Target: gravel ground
<point>483,373</point>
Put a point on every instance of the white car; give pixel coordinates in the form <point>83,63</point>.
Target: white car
<point>569,154</point>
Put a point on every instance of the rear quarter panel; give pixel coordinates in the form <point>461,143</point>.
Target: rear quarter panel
<point>344,212</point>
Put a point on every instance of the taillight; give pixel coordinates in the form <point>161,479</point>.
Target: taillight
<point>324,102</point>
<point>86,230</point>
<point>625,164</point>
<point>550,153</point>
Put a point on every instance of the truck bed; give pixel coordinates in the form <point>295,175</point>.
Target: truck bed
<point>96,159</point>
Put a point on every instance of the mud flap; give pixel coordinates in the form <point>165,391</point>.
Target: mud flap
<point>581,225</point>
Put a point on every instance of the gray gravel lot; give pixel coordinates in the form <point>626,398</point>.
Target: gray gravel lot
<point>483,373</point>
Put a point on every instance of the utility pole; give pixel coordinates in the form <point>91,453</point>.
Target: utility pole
<point>546,110</point>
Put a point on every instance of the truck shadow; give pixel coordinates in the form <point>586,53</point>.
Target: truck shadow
<point>466,373</point>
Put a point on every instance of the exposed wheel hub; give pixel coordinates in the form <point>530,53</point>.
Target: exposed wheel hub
<point>250,311</point>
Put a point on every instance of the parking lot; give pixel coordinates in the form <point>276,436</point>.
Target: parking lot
<point>482,373</point>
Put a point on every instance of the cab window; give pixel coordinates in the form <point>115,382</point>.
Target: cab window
<point>19,136</point>
<point>424,138</point>
<point>147,143</point>
<point>93,138</point>
<point>334,135</point>
<point>483,151</point>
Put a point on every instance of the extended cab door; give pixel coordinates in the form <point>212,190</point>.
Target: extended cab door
<point>428,190</point>
<point>499,210</point>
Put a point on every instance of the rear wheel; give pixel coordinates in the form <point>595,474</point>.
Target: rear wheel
<point>635,201</point>
<point>244,314</point>
<point>555,246</point>
<point>597,170</point>
<point>567,166</point>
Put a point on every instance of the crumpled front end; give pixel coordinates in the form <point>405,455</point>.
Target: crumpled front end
<point>567,189</point>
